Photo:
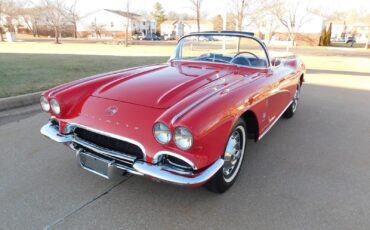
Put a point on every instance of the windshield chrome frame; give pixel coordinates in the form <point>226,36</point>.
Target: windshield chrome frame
<point>233,34</point>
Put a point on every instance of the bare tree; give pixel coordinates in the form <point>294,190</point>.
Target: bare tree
<point>127,21</point>
<point>31,17</point>
<point>1,20</point>
<point>196,6</point>
<point>172,15</point>
<point>292,15</point>
<point>55,16</point>
<point>98,28</point>
<point>72,16</point>
<point>9,11</point>
<point>239,8</point>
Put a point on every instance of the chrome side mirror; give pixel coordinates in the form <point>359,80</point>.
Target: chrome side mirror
<point>275,62</point>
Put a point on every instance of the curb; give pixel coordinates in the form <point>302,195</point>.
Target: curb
<point>19,101</point>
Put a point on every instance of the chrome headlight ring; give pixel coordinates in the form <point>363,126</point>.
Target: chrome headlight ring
<point>162,133</point>
<point>183,138</point>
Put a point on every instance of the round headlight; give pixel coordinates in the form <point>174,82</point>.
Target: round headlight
<point>55,106</point>
<point>162,133</point>
<point>44,104</point>
<point>183,138</point>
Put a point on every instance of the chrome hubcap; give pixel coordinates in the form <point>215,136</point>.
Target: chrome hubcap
<point>233,153</point>
<point>295,100</point>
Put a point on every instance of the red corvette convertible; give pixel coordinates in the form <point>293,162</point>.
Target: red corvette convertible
<point>186,121</point>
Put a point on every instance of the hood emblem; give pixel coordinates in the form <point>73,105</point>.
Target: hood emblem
<point>111,110</point>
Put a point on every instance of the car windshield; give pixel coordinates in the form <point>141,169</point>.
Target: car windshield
<point>229,49</point>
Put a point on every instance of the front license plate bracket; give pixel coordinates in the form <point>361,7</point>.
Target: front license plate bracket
<point>97,165</point>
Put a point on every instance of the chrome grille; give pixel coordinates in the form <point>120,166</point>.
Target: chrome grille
<point>106,145</point>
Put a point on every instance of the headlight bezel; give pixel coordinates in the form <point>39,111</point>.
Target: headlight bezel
<point>162,127</point>
<point>55,106</point>
<point>45,105</point>
<point>178,137</point>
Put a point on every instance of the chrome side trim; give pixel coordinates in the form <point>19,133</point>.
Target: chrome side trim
<point>160,153</point>
<point>194,104</point>
<point>273,123</point>
<point>156,172</point>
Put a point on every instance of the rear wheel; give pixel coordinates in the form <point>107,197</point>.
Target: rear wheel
<point>293,106</point>
<point>233,159</point>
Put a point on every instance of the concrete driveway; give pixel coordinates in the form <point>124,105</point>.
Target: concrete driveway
<point>309,172</point>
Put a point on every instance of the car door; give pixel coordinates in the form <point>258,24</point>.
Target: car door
<point>279,95</point>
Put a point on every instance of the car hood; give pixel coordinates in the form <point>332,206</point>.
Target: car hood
<point>162,86</point>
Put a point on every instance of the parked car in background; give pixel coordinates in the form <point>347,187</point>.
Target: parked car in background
<point>207,38</point>
<point>152,37</point>
<point>167,37</point>
<point>351,41</point>
<point>186,121</point>
<point>138,36</point>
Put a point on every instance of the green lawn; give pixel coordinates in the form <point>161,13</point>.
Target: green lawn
<point>25,73</point>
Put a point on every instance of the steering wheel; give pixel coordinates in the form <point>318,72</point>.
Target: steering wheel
<point>244,52</point>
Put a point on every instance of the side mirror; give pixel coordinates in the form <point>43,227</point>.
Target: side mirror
<point>275,62</point>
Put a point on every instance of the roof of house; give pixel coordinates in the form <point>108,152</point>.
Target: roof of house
<point>123,13</point>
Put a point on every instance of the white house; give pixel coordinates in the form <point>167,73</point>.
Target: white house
<point>184,27</point>
<point>111,23</point>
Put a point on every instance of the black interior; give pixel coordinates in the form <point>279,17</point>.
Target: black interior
<point>244,60</point>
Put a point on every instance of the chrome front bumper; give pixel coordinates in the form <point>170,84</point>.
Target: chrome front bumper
<point>139,167</point>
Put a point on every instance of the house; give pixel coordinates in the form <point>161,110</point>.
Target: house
<point>184,27</point>
<point>112,23</point>
<point>341,31</point>
<point>169,27</point>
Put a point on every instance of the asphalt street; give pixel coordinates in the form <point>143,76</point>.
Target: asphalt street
<point>308,172</point>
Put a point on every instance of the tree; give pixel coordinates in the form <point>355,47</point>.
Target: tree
<point>97,28</point>
<point>218,23</point>
<point>127,22</point>
<point>158,15</point>
<point>1,21</point>
<point>172,15</point>
<point>292,15</point>
<point>72,16</point>
<point>8,11</point>
<point>323,37</point>
<point>31,16</point>
<point>239,10</point>
<point>55,16</point>
<point>196,6</point>
<point>328,35</point>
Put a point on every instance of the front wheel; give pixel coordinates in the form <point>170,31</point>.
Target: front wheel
<point>233,159</point>
<point>293,106</point>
